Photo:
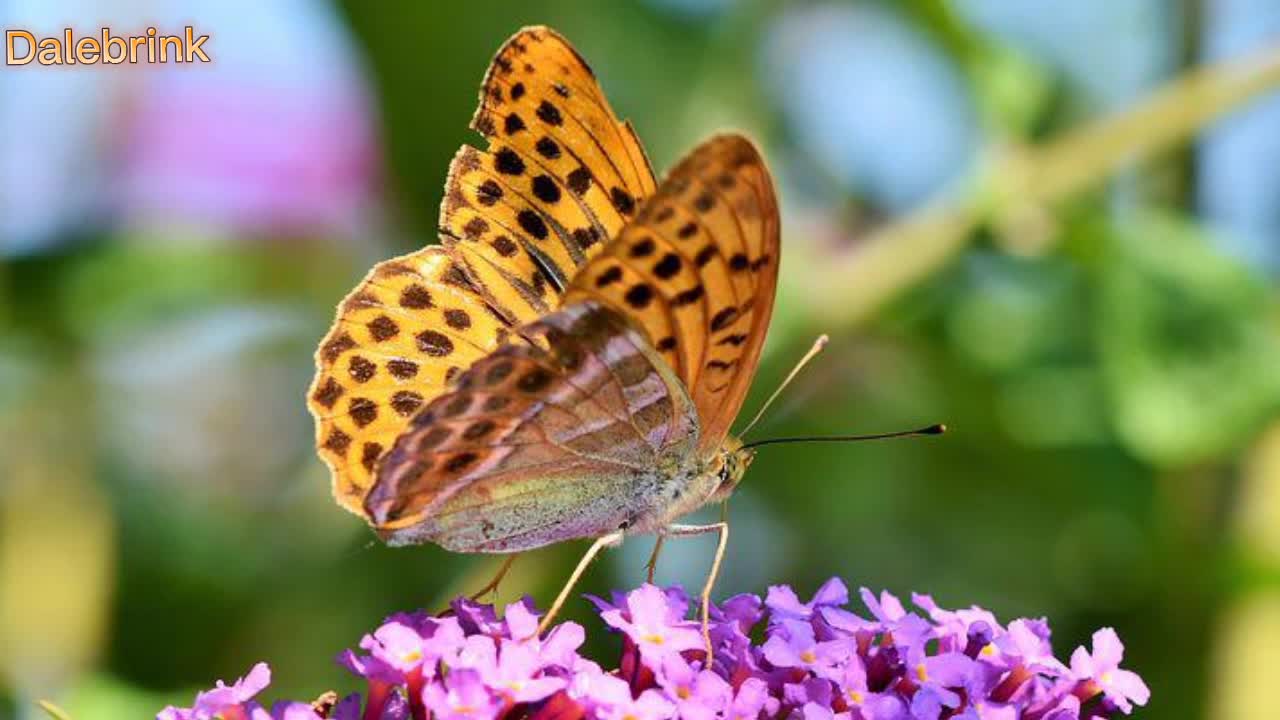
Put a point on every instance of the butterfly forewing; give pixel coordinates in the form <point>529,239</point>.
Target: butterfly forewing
<point>538,73</point>
<point>560,177</point>
<point>697,271</point>
<point>536,445</point>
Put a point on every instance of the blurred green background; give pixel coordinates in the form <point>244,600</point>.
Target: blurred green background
<point>1024,219</point>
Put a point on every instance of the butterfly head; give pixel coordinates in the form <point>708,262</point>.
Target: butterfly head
<point>730,466</point>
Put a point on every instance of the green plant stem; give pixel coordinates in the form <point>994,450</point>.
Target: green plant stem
<point>905,252</point>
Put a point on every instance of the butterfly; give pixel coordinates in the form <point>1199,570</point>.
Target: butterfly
<point>568,361</point>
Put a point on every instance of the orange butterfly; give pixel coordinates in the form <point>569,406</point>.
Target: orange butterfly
<point>567,364</point>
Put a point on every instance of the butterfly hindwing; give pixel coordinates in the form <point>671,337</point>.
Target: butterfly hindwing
<point>541,440</point>
<point>411,325</point>
<point>697,271</point>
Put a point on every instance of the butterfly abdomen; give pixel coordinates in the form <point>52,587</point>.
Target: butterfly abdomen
<point>561,505</point>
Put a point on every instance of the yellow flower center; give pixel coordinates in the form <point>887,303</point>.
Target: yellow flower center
<point>683,692</point>
<point>1105,678</point>
<point>655,639</point>
<point>856,697</point>
<point>808,656</point>
<point>922,673</point>
<point>412,656</point>
<point>988,650</point>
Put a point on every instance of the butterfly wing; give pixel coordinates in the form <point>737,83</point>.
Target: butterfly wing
<point>557,436</point>
<point>560,176</point>
<point>410,326</point>
<point>697,271</point>
<point>569,433</point>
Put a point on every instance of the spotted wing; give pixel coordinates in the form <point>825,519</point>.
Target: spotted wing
<point>560,176</point>
<point>411,325</point>
<point>534,446</point>
<point>697,270</point>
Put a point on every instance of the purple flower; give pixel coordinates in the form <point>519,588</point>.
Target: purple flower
<point>1027,643</point>
<point>521,620</point>
<point>751,699</point>
<point>461,696</point>
<point>369,667</point>
<point>595,689</point>
<point>651,705</point>
<point>811,690</point>
<point>516,674</point>
<point>654,625</point>
<point>797,647</point>
<point>476,619</point>
<point>731,626</point>
<point>230,701</point>
<point>699,694</point>
<point>887,609</point>
<point>854,682</point>
<point>929,701</point>
<point>907,629</point>
<point>956,625</point>
<point>561,645</point>
<point>743,611</point>
<point>817,711</point>
<point>948,670</point>
<point>825,609</point>
<point>784,604</point>
<point>397,645</point>
<point>1102,668</point>
<point>442,637</point>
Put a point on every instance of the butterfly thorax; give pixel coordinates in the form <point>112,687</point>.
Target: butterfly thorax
<point>691,486</point>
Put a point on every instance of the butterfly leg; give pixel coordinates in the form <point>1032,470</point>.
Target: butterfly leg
<point>492,585</point>
<point>722,529</point>
<point>613,539</point>
<point>652,565</point>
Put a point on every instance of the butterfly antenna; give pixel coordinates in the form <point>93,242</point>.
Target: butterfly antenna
<point>937,429</point>
<point>818,344</point>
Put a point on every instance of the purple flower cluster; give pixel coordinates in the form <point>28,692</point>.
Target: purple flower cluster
<point>235,702</point>
<point>816,660</point>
